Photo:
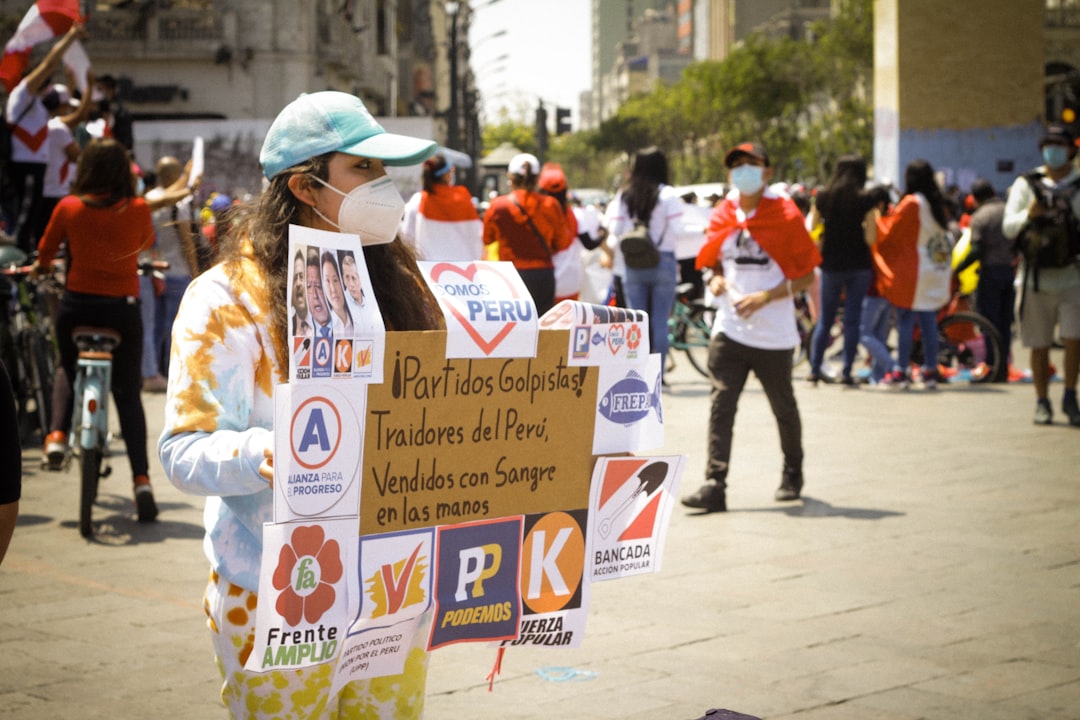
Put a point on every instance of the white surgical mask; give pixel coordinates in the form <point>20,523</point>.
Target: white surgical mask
<point>1055,156</point>
<point>372,210</point>
<point>748,179</point>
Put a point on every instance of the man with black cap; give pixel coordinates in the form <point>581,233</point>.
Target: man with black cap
<point>1051,294</point>
<point>759,255</point>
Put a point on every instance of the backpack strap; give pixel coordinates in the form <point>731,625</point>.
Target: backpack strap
<point>539,235</point>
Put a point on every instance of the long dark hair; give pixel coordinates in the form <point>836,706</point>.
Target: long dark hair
<point>642,190</point>
<point>919,178</point>
<point>104,172</point>
<point>404,299</point>
<point>844,187</point>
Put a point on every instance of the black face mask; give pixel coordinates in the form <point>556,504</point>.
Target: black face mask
<point>103,107</point>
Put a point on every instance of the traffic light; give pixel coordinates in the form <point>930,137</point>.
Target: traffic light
<point>541,132</point>
<point>562,120</point>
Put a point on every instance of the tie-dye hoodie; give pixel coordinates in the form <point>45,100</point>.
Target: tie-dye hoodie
<point>219,413</point>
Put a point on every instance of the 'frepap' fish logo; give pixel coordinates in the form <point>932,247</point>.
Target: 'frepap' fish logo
<point>630,400</point>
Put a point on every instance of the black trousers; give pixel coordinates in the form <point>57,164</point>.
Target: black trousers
<point>122,315</point>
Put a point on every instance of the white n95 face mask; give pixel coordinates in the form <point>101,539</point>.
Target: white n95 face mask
<point>372,210</point>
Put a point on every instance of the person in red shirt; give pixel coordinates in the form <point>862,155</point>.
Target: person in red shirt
<point>105,227</point>
<point>529,228</point>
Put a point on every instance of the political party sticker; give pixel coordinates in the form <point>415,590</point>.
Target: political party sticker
<point>476,582</point>
<point>489,311</point>
<point>629,412</point>
<point>322,365</point>
<point>630,503</point>
<point>553,591</point>
<point>333,309</point>
<point>317,456</point>
<point>303,613</point>
<point>343,358</point>
<point>396,574</point>
<point>600,334</point>
<point>363,357</point>
<point>301,357</point>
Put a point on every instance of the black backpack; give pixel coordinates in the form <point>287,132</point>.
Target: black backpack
<point>1051,240</point>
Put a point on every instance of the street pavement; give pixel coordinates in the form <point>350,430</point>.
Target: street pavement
<point>931,571</point>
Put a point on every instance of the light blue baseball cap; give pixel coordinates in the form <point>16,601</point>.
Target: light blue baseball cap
<point>330,121</point>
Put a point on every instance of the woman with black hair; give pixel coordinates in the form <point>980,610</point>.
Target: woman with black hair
<point>848,213</point>
<point>647,197</point>
<point>913,257</point>
<point>105,227</point>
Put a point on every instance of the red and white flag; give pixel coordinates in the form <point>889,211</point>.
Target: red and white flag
<point>45,20</point>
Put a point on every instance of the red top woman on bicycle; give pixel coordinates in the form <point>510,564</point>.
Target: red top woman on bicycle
<point>105,227</point>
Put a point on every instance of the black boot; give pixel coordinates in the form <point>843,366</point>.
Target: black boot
<point>709,497</point>
<point>790,485</point>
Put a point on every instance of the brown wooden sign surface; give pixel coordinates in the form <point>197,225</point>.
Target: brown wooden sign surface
<point>449,441</point>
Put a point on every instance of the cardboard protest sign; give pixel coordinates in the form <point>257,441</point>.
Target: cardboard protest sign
<point>489,311</point>
<point>433,488</point>
<point>630,505</point>
<point>454,440</point>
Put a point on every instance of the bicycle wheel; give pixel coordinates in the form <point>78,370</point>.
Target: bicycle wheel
<point>970,348</point>
<point>89,471</point>
<point>37,362</point>
<point>696,332</point>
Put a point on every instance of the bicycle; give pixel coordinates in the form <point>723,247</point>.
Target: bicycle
<point>969,346</point>
<point>689,328</point>
<point>27,344</point>
<point>90,422</point>
<point>91,387</point>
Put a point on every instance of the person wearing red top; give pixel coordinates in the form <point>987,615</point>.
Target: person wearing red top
<point>105,227</point>
<point>529,228</point>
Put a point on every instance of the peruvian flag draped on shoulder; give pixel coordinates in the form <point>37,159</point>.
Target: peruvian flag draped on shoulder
<point>45,20</point>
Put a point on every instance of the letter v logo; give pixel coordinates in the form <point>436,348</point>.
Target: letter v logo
<point>396,589</point>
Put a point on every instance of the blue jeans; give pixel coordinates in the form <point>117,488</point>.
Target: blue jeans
<point>852,286</point>
<point>653,290</point>
<point>874,329</point>
<point>905,327</point>
<point>146,305</point>
<point>165,309</point>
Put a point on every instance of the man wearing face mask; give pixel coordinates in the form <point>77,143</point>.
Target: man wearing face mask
<point>1050,296</point>
<point>759,255</point>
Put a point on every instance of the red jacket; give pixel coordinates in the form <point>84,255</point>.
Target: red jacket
<point>508,225</point>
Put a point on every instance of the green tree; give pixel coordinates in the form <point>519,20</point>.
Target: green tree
<point>805,100</point>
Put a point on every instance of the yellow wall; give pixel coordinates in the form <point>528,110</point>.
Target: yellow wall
<point>959,64</point>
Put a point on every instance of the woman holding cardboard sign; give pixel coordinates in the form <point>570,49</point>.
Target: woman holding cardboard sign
<point>324,157</point>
